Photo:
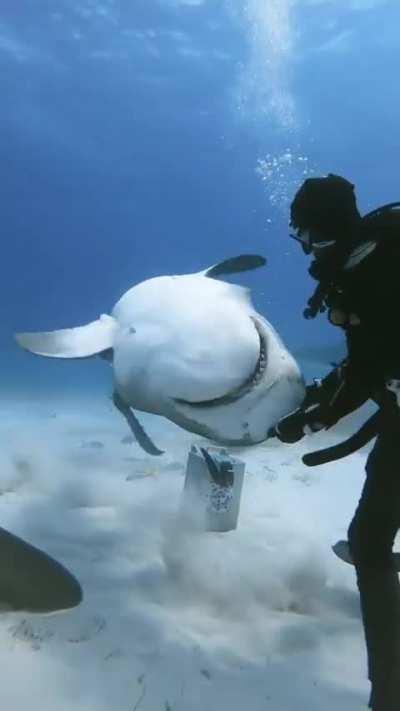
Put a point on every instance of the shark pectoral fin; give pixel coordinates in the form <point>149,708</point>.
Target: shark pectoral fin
<point>242,263</point>
<point>136,428</point>
<point>81,342</point>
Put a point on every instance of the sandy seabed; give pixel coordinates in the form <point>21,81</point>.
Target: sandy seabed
<point>173,618</point>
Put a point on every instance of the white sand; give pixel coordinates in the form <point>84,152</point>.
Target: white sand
<point>262,618</point>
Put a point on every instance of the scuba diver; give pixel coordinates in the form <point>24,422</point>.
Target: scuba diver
<point>356,262</point>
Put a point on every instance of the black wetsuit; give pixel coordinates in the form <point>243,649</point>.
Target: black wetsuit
<point>365,300</point>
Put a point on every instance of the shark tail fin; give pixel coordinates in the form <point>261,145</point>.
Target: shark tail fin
<point>80,342</point>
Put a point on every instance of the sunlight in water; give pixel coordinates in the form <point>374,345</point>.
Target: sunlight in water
<point>265,96</point>
<point>264,89</point>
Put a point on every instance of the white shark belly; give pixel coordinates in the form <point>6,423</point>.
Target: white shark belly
<point>247,418</point>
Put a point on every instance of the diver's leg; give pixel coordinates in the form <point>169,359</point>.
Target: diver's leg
<point>371,537</point>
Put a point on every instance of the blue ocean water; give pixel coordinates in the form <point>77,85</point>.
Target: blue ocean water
<point>160,136</point>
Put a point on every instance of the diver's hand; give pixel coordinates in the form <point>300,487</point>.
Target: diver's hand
<point>294,427</point>
<point>289,429</point>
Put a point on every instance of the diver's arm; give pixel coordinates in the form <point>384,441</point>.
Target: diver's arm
<point>343,392</point>
<point>326,401</point>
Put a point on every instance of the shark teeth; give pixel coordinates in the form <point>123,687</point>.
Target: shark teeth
<point>262,361</point>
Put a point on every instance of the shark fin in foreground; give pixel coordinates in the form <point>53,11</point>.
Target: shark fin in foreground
<point>80,342</point>
<point>32,581</point>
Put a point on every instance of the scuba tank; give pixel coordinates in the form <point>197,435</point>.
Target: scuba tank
<point>380,225</point>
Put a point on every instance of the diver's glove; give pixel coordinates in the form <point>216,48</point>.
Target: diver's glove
<point>326,401</point>
<point>315,413</point>
<point>303,421</point>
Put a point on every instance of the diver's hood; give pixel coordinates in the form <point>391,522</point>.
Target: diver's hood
<point>326,206</point>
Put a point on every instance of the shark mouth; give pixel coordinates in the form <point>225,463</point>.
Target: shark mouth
<point>243,389</point>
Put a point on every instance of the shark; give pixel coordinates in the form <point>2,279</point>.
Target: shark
<point>190,348</point>
<point>32,581</point>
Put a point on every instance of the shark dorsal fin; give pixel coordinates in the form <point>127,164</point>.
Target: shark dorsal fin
<point>242,263</point>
